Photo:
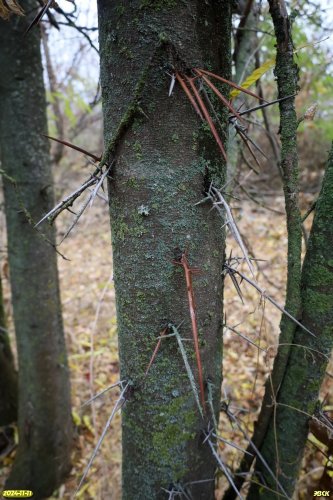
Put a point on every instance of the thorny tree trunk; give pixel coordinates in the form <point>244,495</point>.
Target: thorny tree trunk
<point>44,416</point>
<point>287,76</point>
<point>298,395</point>
<point>8,375</point>
<point>165,159</point>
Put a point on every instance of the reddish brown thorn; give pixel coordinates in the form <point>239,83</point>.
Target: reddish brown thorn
<point>207,117</point>
<point>220,96</point>
<point>232,84</point>
<point>190,295</point>
<point>77,148</point>
<point>189,95</point>
<point>156,350</point>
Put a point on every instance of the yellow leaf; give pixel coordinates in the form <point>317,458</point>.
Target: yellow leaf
<point>255,75</point>
<point>76,418</point>
<point>87,423</point>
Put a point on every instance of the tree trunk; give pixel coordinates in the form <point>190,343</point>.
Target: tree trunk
<point>287,75</point>
<point>165,159</point>
<point>285,440</point>
<point>8,375</point>
<point>44,420</point>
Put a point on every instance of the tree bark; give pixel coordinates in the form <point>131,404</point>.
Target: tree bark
<point>44,415</point>
<point>8,375</point>
<point>285,440</point>
<point>165,160</point>
<point>286,72</point>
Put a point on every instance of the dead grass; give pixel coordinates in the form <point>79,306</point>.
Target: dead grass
<point>90,325</point>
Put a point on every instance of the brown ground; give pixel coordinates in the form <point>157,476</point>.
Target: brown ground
<point>90,324</point>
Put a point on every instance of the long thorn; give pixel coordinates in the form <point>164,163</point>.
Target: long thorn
<point>39,16</point>
<point>76,148</point>
<point>208,118</point>
<point>231,84</point>
<point>189,95</point>
<point>219,95</point>
<point>162,334</point>
<point>224,469</point>
<point>119,403</point>
<point>190,295</point>
<point>99,394</point>
<point>271,300</point>
<point>188,368</point>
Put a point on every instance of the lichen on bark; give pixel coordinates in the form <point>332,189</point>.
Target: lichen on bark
<point>170,156</point>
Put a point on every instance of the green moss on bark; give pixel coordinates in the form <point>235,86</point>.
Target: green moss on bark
<point>298,395</point>
<point>162,428</point>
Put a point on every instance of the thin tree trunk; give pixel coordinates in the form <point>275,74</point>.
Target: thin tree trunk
<point>297,401</point>
<point>287,75</point>
<point>44,419</point>
<point>8,375</point>
<point>165,160</point>
<point>55,100</point>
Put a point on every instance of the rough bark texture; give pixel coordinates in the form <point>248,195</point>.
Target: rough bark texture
<point>44,419</point>
<point>287,75</point>
<point>8,375</point>
<point>286,72</point>
<point>306,365</point>
<point>165,160</point>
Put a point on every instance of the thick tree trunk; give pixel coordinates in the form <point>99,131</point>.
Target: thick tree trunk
<point>164,161</point>
<point>8,375</point>
<point>44,421</point>
<point>285,440</point>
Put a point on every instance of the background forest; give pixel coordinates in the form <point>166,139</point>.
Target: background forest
<point>255,193</point>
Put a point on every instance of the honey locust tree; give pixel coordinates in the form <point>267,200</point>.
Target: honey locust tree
<point>44,415</point>
<point>163,161</point>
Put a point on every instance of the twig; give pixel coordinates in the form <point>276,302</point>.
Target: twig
<point>250,110</point>
<point>92,343</point>
<point>309,211</point>
<point>233,445</point>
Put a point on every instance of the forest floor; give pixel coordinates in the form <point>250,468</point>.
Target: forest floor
<point>90,323</point>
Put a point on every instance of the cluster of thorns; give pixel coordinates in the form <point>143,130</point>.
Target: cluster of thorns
<point>194,87</point>
<point>203,77</point>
